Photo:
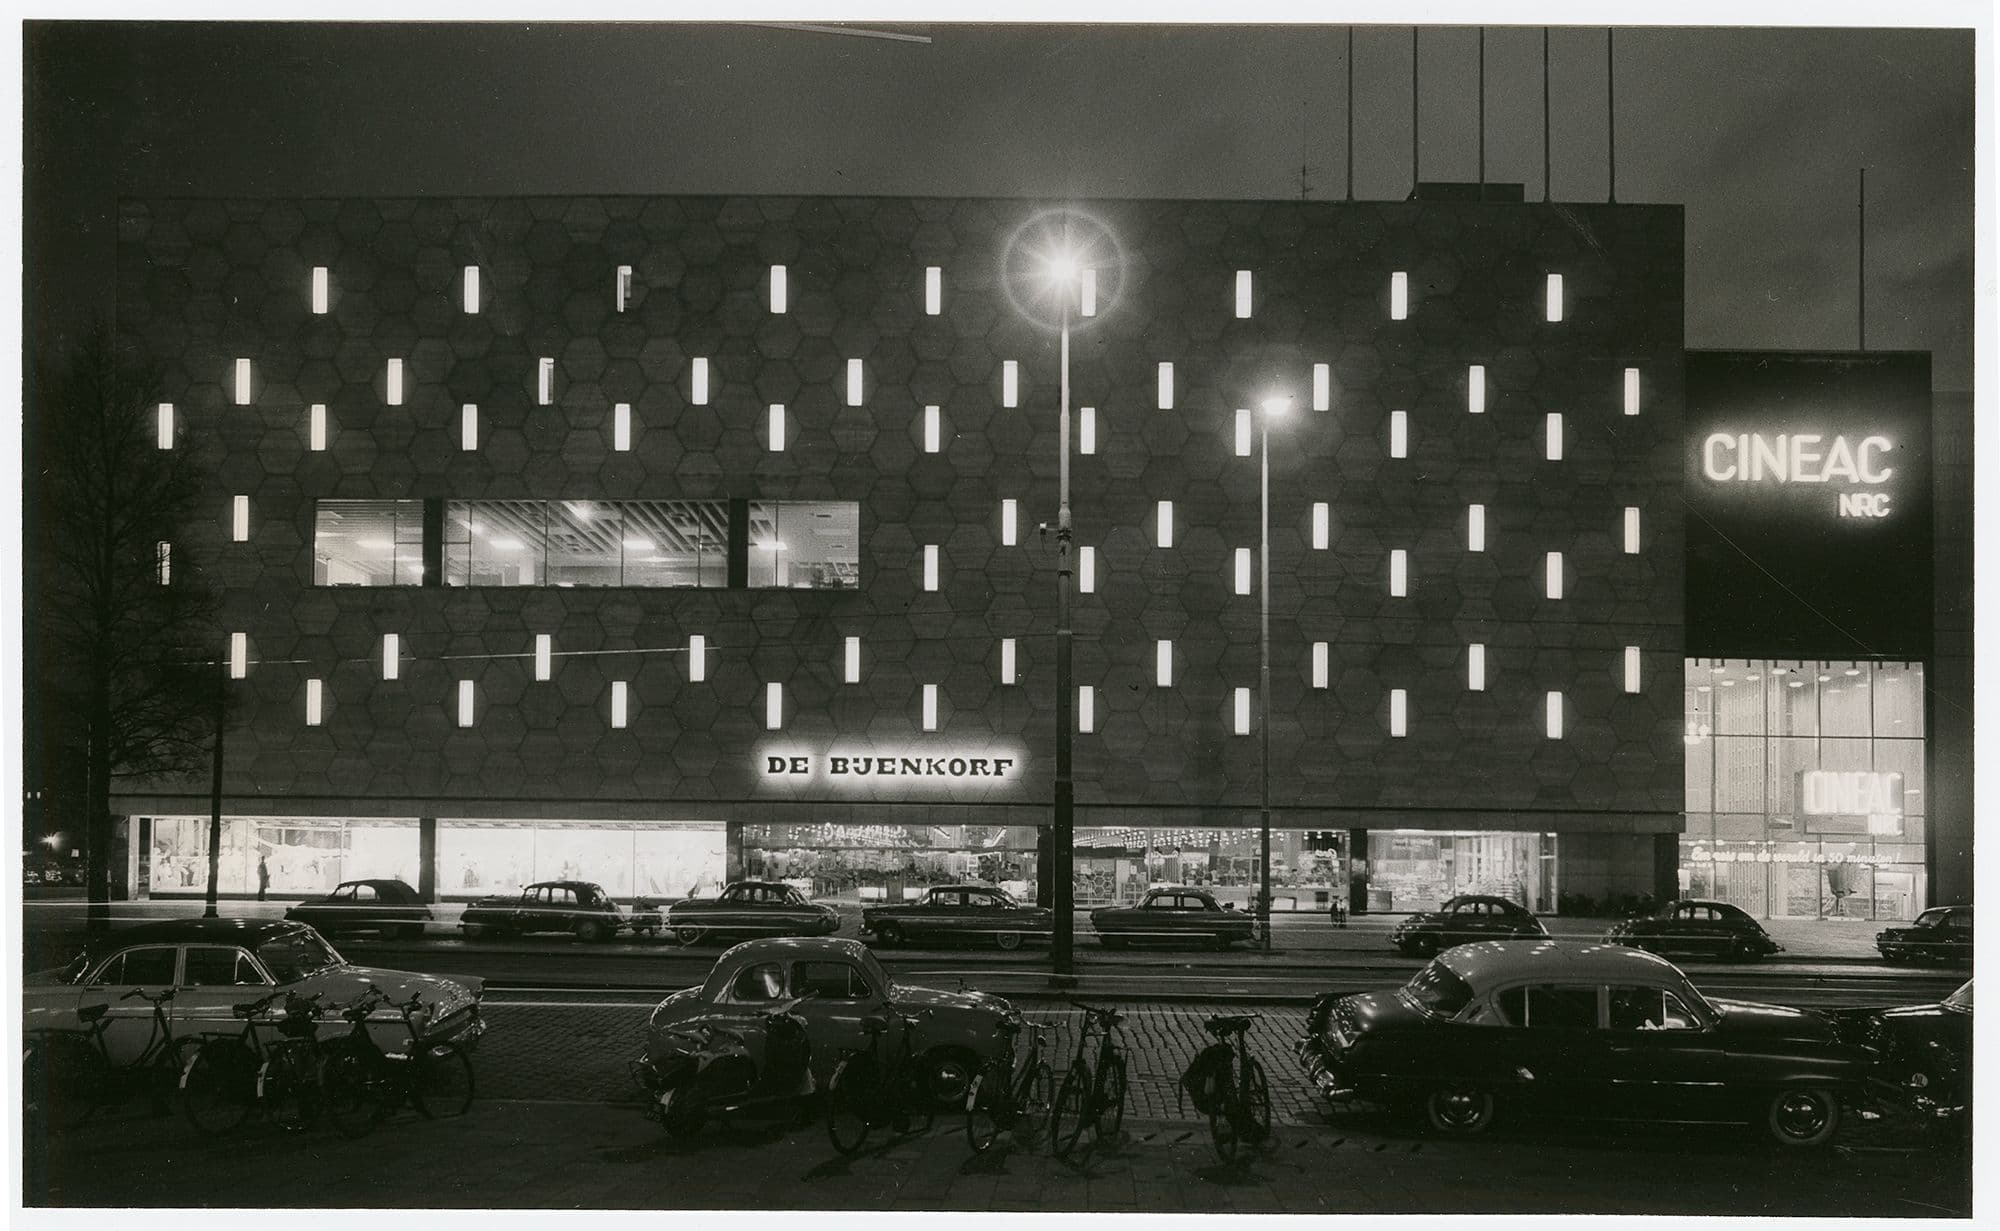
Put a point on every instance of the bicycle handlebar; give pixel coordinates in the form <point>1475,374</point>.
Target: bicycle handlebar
<point>140,992</point>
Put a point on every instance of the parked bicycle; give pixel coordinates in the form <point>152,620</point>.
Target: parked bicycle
<point>68,1074</point>
<point>866,1092</point>
<point>1009,1097</point>
<point>363,1085</point>
<point>1228,1084</point>
<point>231,1074</point>
<point>1091,1098</point>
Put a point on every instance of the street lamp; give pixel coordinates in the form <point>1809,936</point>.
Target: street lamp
<point>1075,257</point>
<point>1062,270</point>
<point>1273,407</point>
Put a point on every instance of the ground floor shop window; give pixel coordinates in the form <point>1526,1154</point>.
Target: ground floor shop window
<point>654,859</point>
<point>890,863</point>
<point>282,856</point>
<point>1117,866</point>
<point>1415,870</point>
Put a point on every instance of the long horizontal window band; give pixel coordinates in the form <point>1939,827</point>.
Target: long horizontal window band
<point>631,544</point>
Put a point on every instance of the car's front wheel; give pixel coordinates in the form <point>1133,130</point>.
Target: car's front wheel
<point>590,931</point>
<point>1421,946</point>
<point>1459,1111</point>
<point>948,1074</point>
<point>1008,941</point>
<point>687,933</point>
<point>1803,1116</point>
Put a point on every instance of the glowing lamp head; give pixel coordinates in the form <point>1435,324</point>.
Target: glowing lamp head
<point>1063,268</point>
<point>1277,405</point>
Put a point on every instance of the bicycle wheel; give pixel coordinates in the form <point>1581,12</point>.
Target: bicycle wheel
<point>1111,1100</point>
<point>1034,1098</point>
<point>442,1085</point>
<point>288,1087</point>
<point>1225,1119</point>
<point>985,1105</point>
<point>847,1108</point>
<point>1256,1126</point>
<point>76,1081</point>
<point>219,1088</point>
<point>352,1099</point>
<point>916,1109</point>
<point>1071,1114</point>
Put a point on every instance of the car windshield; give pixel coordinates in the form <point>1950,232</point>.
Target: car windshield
<point>1961,1000</point>
<point>1004,898</point>
<point>291,956</point>
<point>1932,919</point>
<point>1437,991</point>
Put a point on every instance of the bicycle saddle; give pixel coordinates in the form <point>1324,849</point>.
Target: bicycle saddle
<point>91,1012</point>
<point>1222,1025</point>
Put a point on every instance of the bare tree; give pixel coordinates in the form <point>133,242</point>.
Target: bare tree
<point>127,645</point>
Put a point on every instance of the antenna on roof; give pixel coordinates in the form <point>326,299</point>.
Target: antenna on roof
<point>1545,113</point>
<point>1861,259</point>
<point>1350,113</point>
<point>1610,116</point>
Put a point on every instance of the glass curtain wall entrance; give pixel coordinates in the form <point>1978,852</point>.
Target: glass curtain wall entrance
<point>1805,788</point>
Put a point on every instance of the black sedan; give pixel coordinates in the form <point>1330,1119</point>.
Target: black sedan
<point>1580,1030</point>
<point>578,907</point>
<point>389,907</point>
<point>1701,929</point>
<point>1172,915</point>
<point>979,914</point>
<point>1925,1056</point>
<point>748,909</point>
<point>1462,920</point>
<point>1940,934</point>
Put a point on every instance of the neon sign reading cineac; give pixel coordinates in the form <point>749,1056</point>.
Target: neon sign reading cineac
<point>1805,457</point>
<point>855,768</point>
<point>1878,796</point>
<point>1828,792</point>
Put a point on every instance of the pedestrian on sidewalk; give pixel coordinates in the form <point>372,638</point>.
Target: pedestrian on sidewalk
<point>263,876</point>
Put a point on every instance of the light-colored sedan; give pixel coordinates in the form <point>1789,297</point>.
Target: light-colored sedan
<point>212,965</point>
<point>842,987</point>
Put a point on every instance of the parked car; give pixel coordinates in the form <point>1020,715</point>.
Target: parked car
<point>1924,1056</point>
<point>1463,919</point>
<point>1587,1030</point>
<point>577,907</point>
<point>751,908</point>
<point>1940,934</point>
<point>1175,914</point>
<point>214,964</point>
<point>839,986</point>
<point>1697,928</point>
<point>976,913</point>
<point>386,906</point>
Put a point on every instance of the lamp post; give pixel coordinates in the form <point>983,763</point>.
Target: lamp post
<point>1273,407</point>
<point>1073,255</point>
<point>1062,945</point>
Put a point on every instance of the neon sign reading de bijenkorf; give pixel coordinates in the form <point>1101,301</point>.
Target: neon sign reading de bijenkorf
<point>893,766</point>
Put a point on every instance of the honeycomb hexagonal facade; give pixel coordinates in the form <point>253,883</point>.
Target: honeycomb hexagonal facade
<point>203,283</point>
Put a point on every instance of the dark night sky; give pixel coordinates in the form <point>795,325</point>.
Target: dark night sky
<point>1757,132</point>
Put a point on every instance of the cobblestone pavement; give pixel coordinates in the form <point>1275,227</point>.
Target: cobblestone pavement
<point>552,1154</point>
<point>595,1041</point>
